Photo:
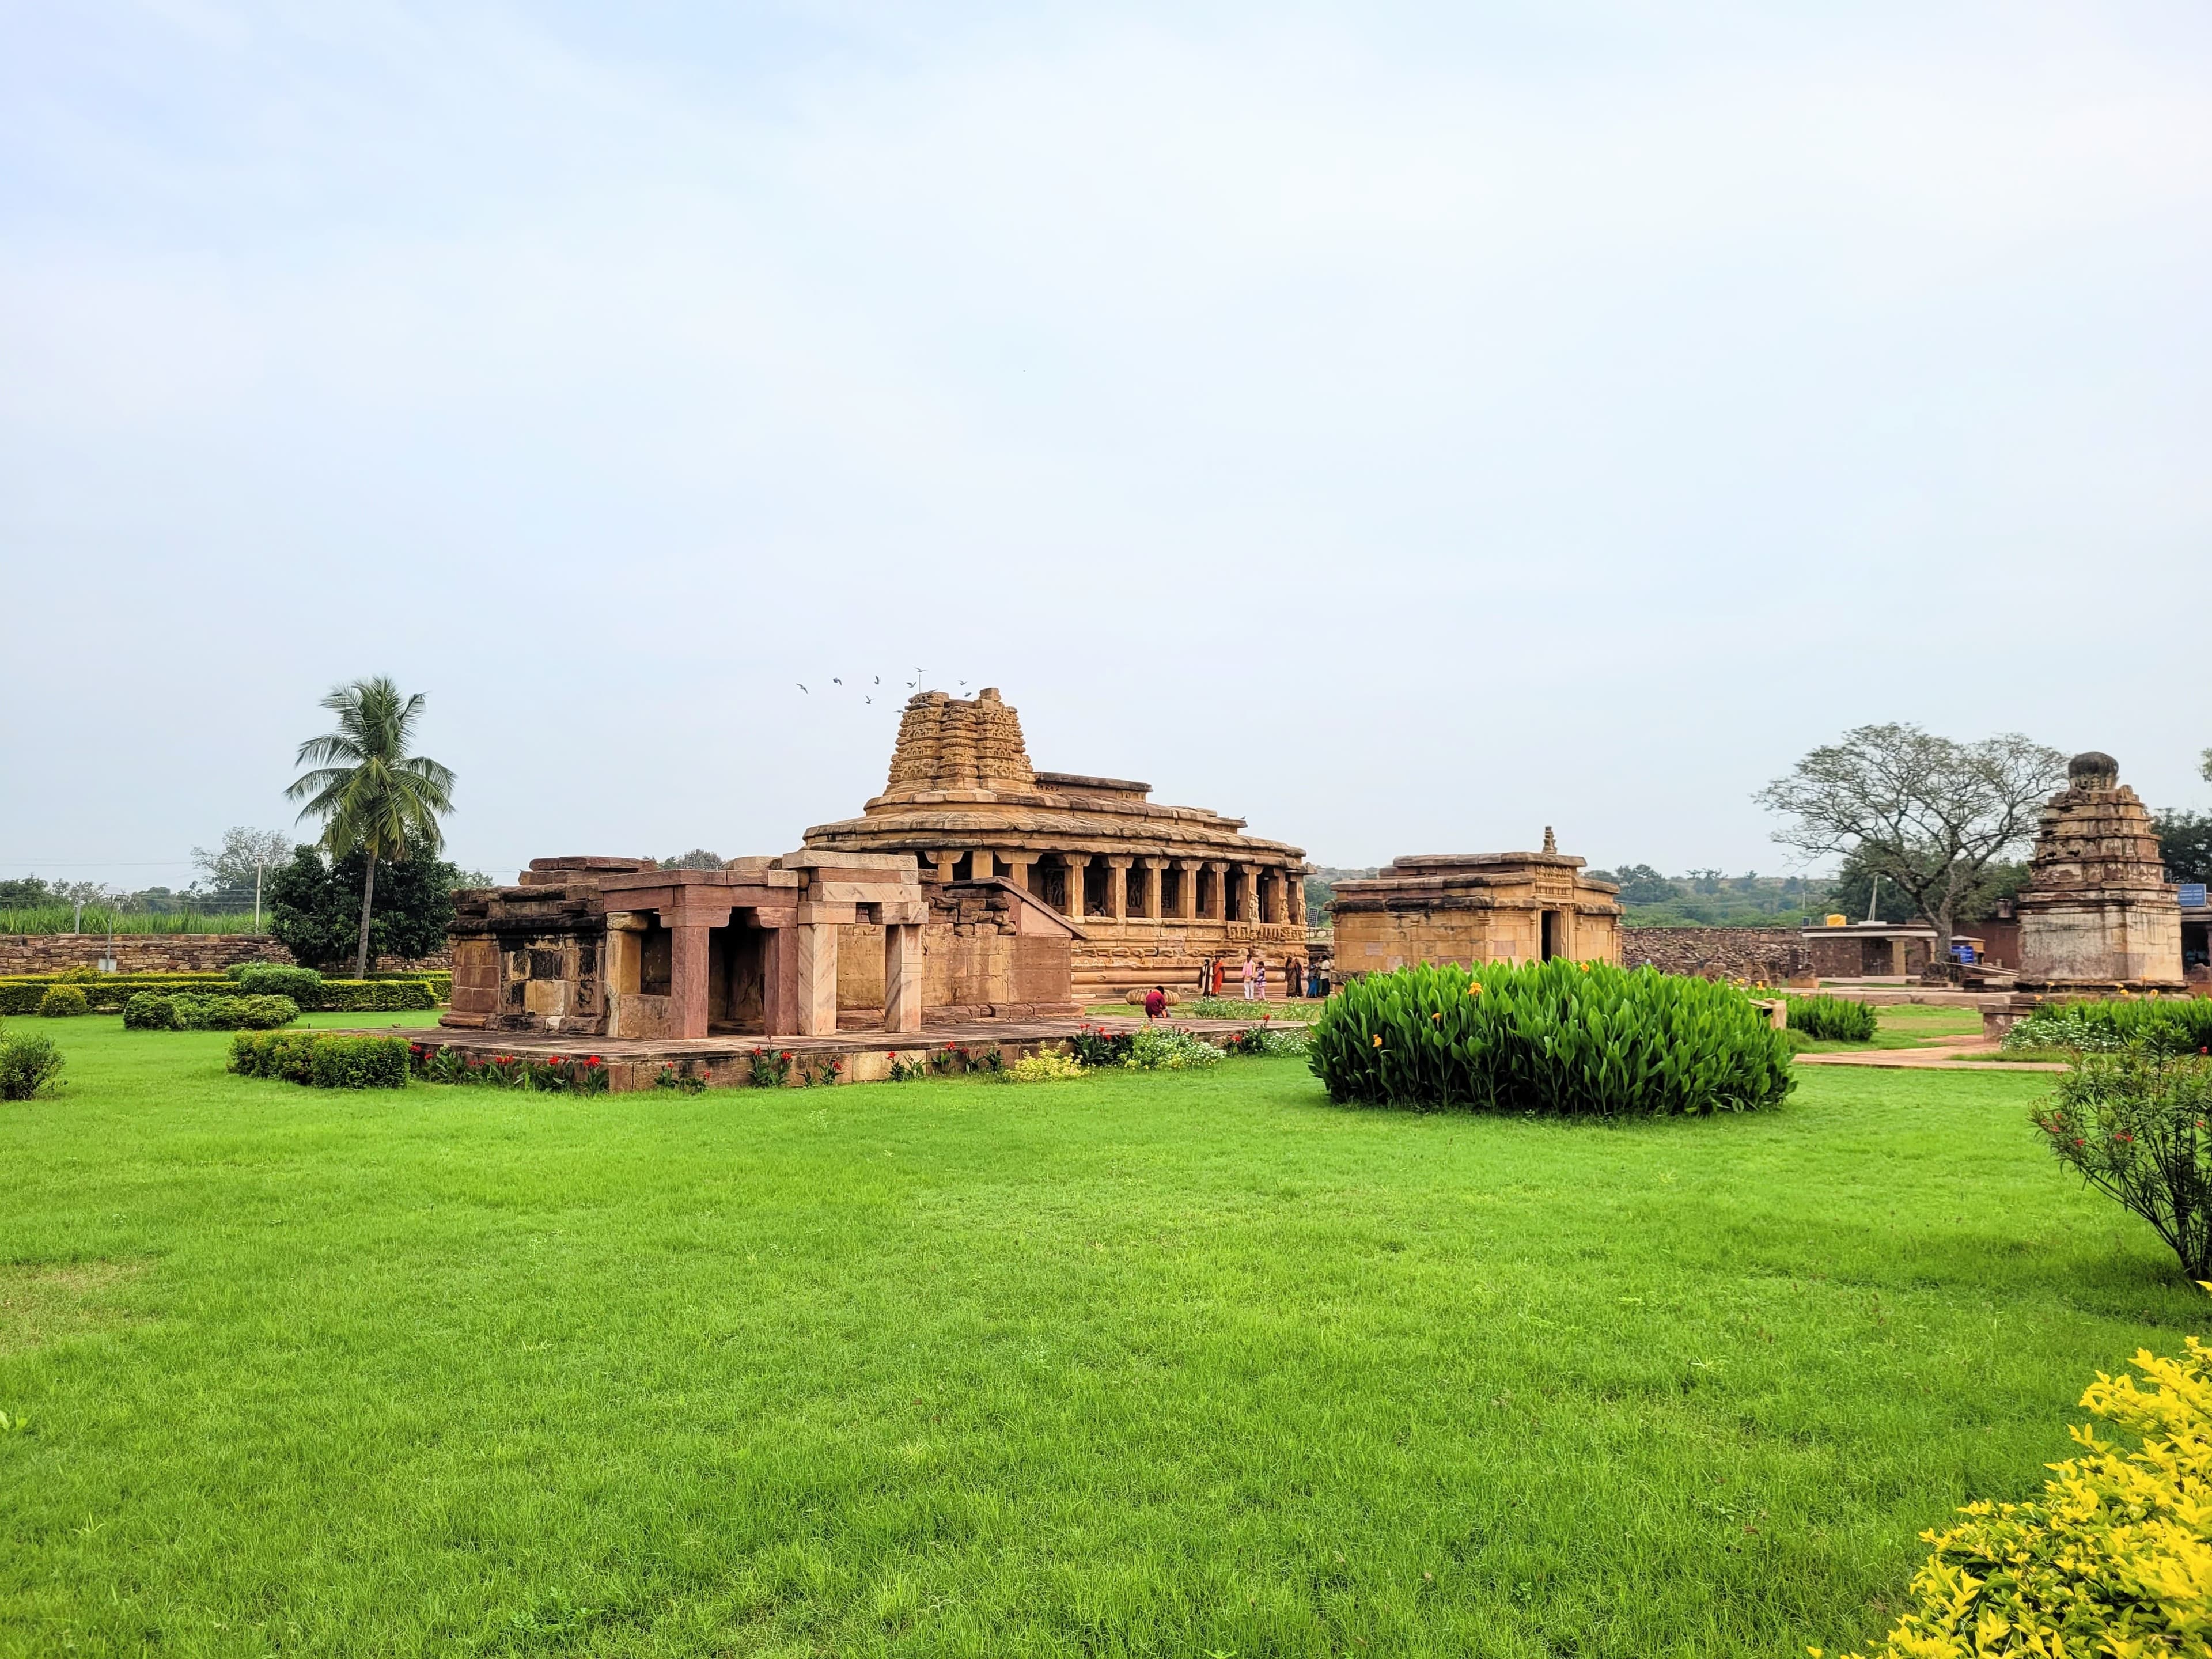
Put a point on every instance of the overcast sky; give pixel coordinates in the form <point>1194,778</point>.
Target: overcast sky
<point>1401,427</point>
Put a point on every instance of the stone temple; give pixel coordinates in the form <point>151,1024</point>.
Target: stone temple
<point>1152,891</point>
<point>807,944</point>
<point>2097,913</point>
<point>1472,908</point>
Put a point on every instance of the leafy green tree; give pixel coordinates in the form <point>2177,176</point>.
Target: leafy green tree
<point>2185,842</point>
<point>314,907</point>
<point>1640,884</point>
<point>1927,813</point>
<point>235,870</point>
<point>373,796</point>
<point>697,858</point>
<point>26,893</point>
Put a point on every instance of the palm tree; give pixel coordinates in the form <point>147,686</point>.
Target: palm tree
<point>368,790</point>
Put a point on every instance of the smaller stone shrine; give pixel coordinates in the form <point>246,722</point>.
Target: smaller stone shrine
<point>2097,913</point>
<point>622,948</point>
<point>1869,950</point>
<point>1476,908</point>
<point>802,945</point>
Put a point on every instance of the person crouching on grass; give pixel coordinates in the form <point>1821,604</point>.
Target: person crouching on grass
<point>1155,1002</point>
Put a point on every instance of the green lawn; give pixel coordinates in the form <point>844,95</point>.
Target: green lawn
<point>1173,1365</point>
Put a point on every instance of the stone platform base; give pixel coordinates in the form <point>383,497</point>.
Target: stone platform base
<point>725,1061</point>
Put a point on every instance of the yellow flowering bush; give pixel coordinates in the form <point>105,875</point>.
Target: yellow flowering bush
<point>1042,1068</point>
<point>2113,1562</point>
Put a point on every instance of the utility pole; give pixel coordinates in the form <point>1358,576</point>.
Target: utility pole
<point>1873,898</point>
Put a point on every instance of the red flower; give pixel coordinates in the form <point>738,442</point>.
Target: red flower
<point>785,1054</point>
<point>592,1060</point>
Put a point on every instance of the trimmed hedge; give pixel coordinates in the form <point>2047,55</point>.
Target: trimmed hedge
<point>108,992</point>
<point>64,1002</point>
<point>269,979</point>
<point>20,994</point>
<point>321,1060</point>
<point>1560,1037</point>
<point>149,1011</point>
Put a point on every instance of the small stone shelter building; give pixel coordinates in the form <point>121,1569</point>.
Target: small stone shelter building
<point>794,945</point>
<point>1150,891</point>
<point>2098,913</point>
<point>1869,950</point>
<point>1476,908</point>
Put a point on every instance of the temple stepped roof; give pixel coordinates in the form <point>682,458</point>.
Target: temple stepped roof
<point>961,775</point>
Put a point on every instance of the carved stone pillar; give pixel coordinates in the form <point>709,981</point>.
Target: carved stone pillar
<point>981,865</point>
<point>945,861</point>
<point>817,978</point>
<point>1076,864</point>
<point>1018,869</point>
<point>687,967</point>
<point>902,977</point>
<point>1154,870</point>
<point>1219,910</point>
<point>1294,899</point>
<point>1117,887</point>
<point>1242,874</point>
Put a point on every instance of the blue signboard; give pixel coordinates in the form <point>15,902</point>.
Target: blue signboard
<point>2192,895</point>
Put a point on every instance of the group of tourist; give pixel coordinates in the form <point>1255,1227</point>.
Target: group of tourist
<point>1300,978</point>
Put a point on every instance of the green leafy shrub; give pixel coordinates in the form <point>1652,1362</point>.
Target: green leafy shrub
<point>186,1010</point>
<point>2113,1558</point>
<point>683,1081</point>
<point>322,1060</point>
<point>149,1011</point>
<point>769,1071</point>
<point>2132,1125</point>
<point>303,984</point>
<point>1556,1037</point>
<point>358,1062</point>
<point>2167,1025</point>
<point>1163,1049</point>
<point>1832,1019</point>
<point>30,1065</point>
<point>64,1002</point>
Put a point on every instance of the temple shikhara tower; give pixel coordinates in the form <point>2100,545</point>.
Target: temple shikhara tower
<point>2097,913</point>
<point>1152,891</point>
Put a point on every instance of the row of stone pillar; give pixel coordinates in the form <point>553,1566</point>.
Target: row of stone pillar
<point>799,967</point>
<point>1135,889</point>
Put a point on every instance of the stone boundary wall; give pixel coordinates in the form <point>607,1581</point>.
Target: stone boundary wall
<point>1766,955</point>
<point>165,953</point>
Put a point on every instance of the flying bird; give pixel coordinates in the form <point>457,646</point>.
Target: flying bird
<point>867,699</point>
<point>834,680</point>
<point>879,679</point>
<point>801,687</point>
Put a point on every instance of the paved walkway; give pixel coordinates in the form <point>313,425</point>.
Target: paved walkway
<point>1951,1056</point>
